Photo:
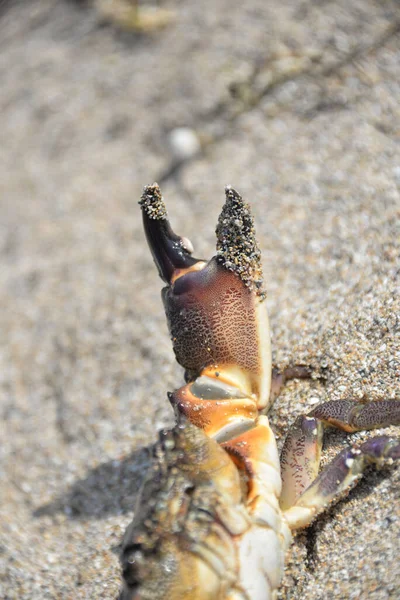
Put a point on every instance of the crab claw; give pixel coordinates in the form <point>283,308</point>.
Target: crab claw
<point>215,311</point>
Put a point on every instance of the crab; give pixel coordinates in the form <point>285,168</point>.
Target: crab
<point>218,507</point>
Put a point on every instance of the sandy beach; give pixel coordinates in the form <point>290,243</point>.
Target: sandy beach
<point>295,104</point>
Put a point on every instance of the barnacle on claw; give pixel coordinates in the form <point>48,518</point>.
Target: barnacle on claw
<point>215,514</point>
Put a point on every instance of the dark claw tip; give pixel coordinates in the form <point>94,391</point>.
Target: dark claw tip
<point>152,202</point>
<point>237,247</point>
<point>170,252</point>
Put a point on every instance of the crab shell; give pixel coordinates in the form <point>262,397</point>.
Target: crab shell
<point>193,537</point>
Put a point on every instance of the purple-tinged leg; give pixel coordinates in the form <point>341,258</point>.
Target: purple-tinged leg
<point>301,452</point>
<point>300,458</point>
<point>358,416</point>
<point>340,476</point>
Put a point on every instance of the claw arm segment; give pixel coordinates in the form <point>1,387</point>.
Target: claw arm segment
<point>339,476</point>
<point>255,454</point>
<point>219,410</point>
<point>171,253</point>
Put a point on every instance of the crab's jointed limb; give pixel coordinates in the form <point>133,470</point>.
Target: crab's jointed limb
<point>212,521</point>
<point>305,493</point>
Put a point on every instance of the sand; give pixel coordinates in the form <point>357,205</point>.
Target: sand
<point>296,105</point>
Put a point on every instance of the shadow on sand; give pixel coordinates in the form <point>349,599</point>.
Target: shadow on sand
<point>110,488</point>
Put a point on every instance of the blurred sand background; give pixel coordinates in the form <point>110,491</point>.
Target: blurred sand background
<point>297,105</point>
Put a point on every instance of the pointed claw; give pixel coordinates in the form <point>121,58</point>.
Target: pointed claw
<point>237,248</point>
<point>170,252</point>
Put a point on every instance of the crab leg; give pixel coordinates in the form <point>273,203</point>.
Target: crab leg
<point>339,476</point>
<point>358,416</point>
<point>304,492</point>
<point>279,378</point>
<point>300,458</point>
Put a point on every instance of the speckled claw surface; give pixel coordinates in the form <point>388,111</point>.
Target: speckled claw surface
<point>215,515</point>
